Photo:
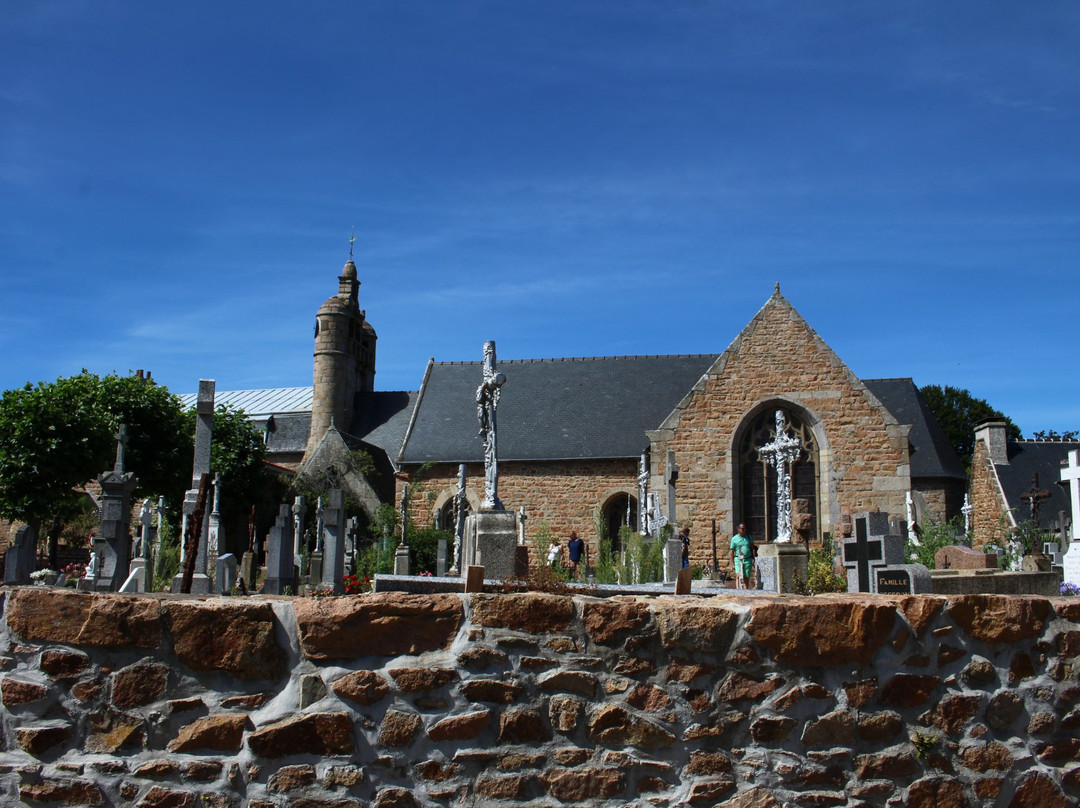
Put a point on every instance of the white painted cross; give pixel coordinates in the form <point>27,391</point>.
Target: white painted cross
<point>780,453</point>
<point>1071,476</point>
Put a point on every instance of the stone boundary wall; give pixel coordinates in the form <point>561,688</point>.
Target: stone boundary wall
<point>393,699</point>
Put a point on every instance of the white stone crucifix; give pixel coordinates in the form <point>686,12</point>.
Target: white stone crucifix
<point>780,454</point>
<point>1070,475</point>
<point>487,402</point>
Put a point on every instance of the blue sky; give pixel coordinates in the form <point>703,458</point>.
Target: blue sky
<point>178,182</point>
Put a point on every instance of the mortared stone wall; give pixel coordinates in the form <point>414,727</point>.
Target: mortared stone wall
<point>500,699</point>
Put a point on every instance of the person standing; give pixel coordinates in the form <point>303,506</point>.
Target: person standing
<point>684,537</point>
<point>743,551</point>
<point>575,547</point>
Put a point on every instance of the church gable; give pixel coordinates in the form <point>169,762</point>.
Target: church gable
<point>859,451</point>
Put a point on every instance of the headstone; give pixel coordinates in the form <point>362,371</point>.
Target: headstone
<point>1070,475</point>
<point>138,577</point>
<point>401,560</point>
<point>672,559</point>
<point>279,556</point>
<point>902,579</point>
<point>1070,564</point>
<point>871,547</point>
<point>440,560</point>
<point>1051,549</point>
<point>474,579</point>
<point>204,432</point>
<point>491,542</point>
<point>21,557</point>
<point>226,574</point>
<point>113,536</point>
<point>213,535</point>
<point>957,557</point>
<point>333,555</point>
<point>487,403</point>
<point>248,571</point>
<point>684,581</point>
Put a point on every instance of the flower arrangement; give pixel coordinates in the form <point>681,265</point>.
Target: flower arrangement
<point>1069,588</point>
<point>45,577</point>
<point>354,584</point>
<point>74,571</point>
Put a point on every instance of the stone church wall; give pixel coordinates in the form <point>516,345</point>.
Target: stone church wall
<point>565,494</point>
<point>990,521</point>
<point>778,358</point>
<point>398,700</point>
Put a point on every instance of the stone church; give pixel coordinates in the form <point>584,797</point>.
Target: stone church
<point>574,433</point>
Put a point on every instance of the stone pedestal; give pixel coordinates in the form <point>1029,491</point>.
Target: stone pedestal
<point>138,579</point>
<point>491,542</point>
<point>315,570</point>
<point>226,573</point>
<point>672,559</point>
<point>777,565</point>
<point>401,560</point>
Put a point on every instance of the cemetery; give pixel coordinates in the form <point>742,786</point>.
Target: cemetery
<point>505,668</point>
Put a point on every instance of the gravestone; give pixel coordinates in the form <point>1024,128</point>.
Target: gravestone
<point>958,557</point>
<point>440,559</point>
<point>204,432</point>
<point>1052,549</point>
<point>213,530</point>
<point>226,574</point>
<point>21,557</point>
<point>333,555</point>
<point>672,559</point>
<point>113,537</point>
<point>902,579</point>
<point>871,547</point>
<point>280,571</point>
<point>1070,564</point>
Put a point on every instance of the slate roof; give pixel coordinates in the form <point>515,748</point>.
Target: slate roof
<point>259,404</point>
<point>288,433</point>
<point>551,409</point>
<point>931,453</point>
<point>1047,459</point>
<point>381,419</point>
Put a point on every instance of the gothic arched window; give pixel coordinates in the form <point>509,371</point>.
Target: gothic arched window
<point>757,479</point>
<point>618,511</point>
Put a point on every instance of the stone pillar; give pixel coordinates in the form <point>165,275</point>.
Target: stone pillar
<point>491,543</point>
<point>333,555</point>
<point>279,556</point>
<point>113,537</point>
<point>21,557</point>
<point>204,432</point>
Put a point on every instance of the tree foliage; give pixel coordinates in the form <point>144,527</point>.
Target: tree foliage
<point>958,412</point>
<point>57,436</point>
<point>236,453</point>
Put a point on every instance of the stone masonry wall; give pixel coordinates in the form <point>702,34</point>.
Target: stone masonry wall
<point>396,700</point>
<point>990,521</point>
<point>567,495</point>
<point>864,462</point>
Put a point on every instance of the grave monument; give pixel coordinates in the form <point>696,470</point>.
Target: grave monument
<point>490,539</point>
<point>779,561</point>
<point>204,432</point>
<point>113,540</point>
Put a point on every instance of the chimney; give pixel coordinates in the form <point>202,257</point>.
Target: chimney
<point>992,433</point>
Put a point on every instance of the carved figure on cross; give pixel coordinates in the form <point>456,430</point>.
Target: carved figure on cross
<point>780,453</point>
<point>487,402</point>
<point>1034,496</point>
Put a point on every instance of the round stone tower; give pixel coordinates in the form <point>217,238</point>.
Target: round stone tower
<point>344,358</point>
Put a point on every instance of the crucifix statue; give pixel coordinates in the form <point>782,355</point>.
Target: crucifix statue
<point>121,445</point>
<point>643,494</point>
<point>780,453</point>
<point>1034,497</point>
<point>459,519</point>
<point>487,402</point>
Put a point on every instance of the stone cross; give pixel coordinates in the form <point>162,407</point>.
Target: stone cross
<point>319,526</point>
<point>1070,475</point>
<point>146,521</point>
<point>213,538</point>
<point>487,402</point>
<point>121,446</point>
<point>671,476</point>
<point>299,510</point>
<point>870,549</point>
<point>643,494</point>
<point>404,513</point>
<point>334,522</point>
<point>780,453</point>
<point>967,510</point>
<point>521,525</point>
<point>1034,497</point>
<point>204,434</point>
<point>459,520</point>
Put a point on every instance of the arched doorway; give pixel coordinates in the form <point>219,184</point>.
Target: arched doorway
<point>620,510</point>
<point>757,479</point>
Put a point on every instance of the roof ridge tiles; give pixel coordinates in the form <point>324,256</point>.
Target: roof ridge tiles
<point>583,359</point>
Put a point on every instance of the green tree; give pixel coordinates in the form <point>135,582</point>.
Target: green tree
<point>958,412</point>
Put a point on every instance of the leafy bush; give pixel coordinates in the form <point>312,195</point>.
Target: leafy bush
<point>821,574</point>
<point>932,538</point>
